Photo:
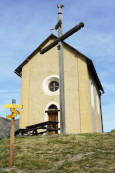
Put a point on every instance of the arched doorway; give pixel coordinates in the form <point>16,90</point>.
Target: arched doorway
<point>53,113</point>
<point>53,116</point>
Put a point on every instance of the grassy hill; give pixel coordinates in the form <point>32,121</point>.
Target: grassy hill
<point>83,153</point>
<point>5,127</point>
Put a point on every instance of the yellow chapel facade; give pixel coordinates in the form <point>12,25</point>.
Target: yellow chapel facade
<point>40,89</point>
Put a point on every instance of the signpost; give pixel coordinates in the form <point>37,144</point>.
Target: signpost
<point>14,113</point>
<point>12,106</point>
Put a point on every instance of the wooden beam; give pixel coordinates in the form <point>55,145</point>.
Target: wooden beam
<point>63,37</point>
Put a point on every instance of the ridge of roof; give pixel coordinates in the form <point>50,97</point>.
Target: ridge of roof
<point>90,64</point>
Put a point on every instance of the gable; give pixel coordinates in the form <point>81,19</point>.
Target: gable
<point>50,39</point>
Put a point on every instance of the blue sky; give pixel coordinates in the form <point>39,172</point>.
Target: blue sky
<point>24,24</point>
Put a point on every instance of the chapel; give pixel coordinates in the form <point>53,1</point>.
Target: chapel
<point>40,89</point>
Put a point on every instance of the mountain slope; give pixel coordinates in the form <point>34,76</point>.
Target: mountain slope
<point>83,153</point>
<point>5,127</point>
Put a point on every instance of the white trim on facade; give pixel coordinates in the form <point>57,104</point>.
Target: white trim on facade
<point>98,104</point>
<point>92,93</point>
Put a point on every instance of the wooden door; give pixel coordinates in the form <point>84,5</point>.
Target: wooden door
<point>53,116</point>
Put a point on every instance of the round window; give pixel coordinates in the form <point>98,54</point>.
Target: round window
<point>53,86</point>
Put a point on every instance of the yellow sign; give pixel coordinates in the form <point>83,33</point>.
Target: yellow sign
<point>13,110</point>
<point>11,116</point>
<point>13,106</point>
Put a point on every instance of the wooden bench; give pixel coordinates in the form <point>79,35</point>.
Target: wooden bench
<point>34,129</point>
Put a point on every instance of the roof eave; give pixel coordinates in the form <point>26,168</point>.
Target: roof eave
<point>92,68</point>
<point>19,68</point>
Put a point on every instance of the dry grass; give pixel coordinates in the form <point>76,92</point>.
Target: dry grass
<point>84,153</point>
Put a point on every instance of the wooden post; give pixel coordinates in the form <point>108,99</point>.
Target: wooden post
<point>11,142</point>
<point>61,62</point>
<point>11,138</point>
<point>61,73</point>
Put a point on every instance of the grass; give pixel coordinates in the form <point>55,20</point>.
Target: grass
<point>83,153</point>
